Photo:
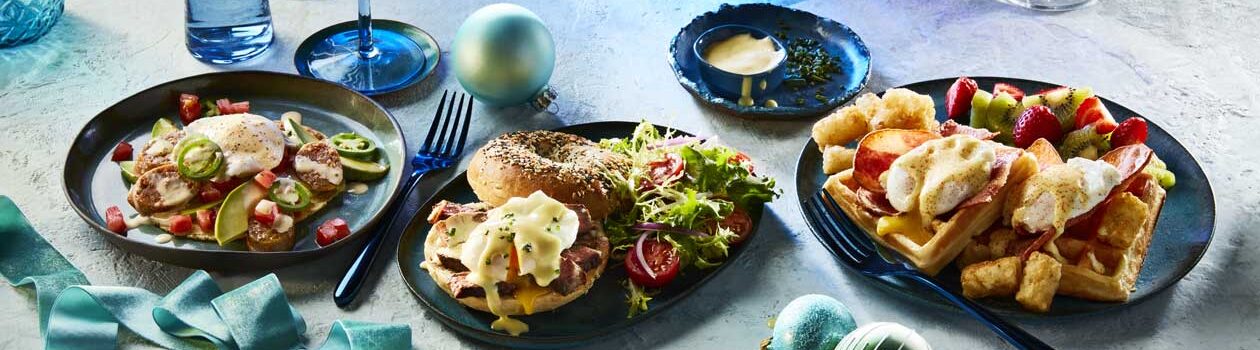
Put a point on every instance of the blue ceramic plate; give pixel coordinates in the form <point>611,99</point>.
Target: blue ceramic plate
<point>1181,237</point>
<point>601,312</point>
<point>93,183</point>
<point>839,40</point>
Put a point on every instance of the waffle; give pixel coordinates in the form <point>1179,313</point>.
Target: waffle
<point>949,237</point>
<point>1100,267</point>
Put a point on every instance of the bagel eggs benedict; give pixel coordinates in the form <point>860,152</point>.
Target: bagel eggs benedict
<point>528,255</point>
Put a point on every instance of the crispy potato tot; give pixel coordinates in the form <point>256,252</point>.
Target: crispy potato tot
<point>837,159</point>
<point>1039,283</point>
<point>840,128</point>
<point>868,103</point>
<point>1000,242</point>
<point>1125,217</point>
<point>991,278</point>
<point>905,109</point>
<point>974,252</point>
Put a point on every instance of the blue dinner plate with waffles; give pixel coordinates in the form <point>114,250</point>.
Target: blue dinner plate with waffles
<point>1182,233</point>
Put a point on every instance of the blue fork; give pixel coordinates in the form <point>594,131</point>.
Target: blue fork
<point>440,150</point>
<point>860,254</point>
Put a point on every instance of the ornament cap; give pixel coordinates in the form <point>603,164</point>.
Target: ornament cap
<point>543,99</point>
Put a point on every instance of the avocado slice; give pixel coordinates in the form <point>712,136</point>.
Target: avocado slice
<point>295,132</point>
<point>194,210</point>
<point>128,171</point>
<point>162,127</point>
<point>233,217</point>
<point>359,170</point>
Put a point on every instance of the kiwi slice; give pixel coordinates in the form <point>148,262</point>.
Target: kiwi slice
<point>1084,143</point>
<point>1063,102</point>
<point>1001,115</point>
<point>980,108</point>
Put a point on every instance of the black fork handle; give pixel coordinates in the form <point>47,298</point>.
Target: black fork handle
<point>358,272</point>
<point>1010,332</point>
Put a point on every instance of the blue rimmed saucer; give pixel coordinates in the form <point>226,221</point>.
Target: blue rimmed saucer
<point>836,38</point>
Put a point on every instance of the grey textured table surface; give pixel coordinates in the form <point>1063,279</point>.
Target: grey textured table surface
<point>1191,66</point>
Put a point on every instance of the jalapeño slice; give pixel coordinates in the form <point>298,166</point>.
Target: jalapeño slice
<point>352,145</point>
<point>291,195</point>
<point>198,158</point>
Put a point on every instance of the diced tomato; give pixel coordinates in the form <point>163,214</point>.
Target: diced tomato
<point>205,219</point>
<point>1010,89</point>
<point>265,178</point>
<point>209,194</point>
<point>181,224</point>
<point>114,220</point>
<point>265,212</point>
<point>225,106</point>
<point>189,108</point>
<point>332,231</point>
<point>660,257</point>
<point>240,107</point>
<point>122,152</point>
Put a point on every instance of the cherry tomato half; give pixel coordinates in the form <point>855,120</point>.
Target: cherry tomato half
<point>739,222</point>
<point>742,158</point>
<point>665,170</point>
<point>662,259</point>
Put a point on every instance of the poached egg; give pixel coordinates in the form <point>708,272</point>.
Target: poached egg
<point>1061,192</point>
<point>932,179</point>
<point>250,143</point>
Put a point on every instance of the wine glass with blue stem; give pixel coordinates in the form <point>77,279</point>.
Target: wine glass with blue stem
<point>371,61</point>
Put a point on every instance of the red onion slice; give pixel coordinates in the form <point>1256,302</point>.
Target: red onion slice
<point>675,141</point>
<point>638,253</point>
<point>659,227</point>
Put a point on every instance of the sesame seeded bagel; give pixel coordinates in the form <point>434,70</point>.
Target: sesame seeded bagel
<point>569,168</point>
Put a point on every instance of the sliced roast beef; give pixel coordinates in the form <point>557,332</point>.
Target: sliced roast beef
<point>461,287</point>
<point>450,262</point>
<point>446,209</point>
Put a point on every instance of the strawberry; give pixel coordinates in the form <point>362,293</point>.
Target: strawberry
<point>1131,131</point>
<point>958,99</point>
<point>1092,111</point>
<point>1010,89</point>
<point>1037,122</point>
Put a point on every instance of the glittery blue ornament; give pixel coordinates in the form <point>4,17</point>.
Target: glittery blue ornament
<point>504,56</point>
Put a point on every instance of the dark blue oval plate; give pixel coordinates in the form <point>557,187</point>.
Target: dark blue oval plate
<point>836,38</point>
<point>1182,233</point>
<point>601,312</point>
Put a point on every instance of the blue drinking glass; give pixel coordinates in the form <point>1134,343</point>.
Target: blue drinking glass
<point>23,21</point>
<point>227,31</point>
<point>371,61</point>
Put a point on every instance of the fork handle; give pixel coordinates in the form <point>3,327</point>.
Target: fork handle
<point>1011,333</point>
<point>358,272</point>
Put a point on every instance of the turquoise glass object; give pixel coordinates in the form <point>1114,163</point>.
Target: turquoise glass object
<point>24,21</point>
<point>504,55</point>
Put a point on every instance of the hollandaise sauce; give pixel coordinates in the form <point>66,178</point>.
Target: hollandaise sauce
<point>519,243</point>
<point>744,54</point>
<point>933,179</point>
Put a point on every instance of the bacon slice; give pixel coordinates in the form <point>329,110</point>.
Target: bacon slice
<point>875,202</point>
<point>1004,158</point>
<point>877,151</point>
<point>950,128</point>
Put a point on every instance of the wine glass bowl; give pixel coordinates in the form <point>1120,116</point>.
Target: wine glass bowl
<point>370,56</point>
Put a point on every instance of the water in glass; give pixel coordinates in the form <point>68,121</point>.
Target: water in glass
<point>227,31</point>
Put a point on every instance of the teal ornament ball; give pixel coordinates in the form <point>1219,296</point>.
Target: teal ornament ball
<point>503,55</point>
<point>884,336</point>
<point>811,322</point>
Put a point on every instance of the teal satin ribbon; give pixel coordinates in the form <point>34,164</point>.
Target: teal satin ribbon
<point>195,315</point>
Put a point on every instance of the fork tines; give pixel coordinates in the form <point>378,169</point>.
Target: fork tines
<point>844,245</point>
<point>438,142</point>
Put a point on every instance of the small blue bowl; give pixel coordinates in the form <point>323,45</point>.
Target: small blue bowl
<point>731,85</point>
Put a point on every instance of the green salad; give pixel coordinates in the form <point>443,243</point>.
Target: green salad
<point>690,198</point>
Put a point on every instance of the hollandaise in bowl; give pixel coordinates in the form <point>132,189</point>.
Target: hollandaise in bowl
<point>740,62</point>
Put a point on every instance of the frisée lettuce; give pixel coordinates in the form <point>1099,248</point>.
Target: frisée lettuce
<point>682,206</point>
